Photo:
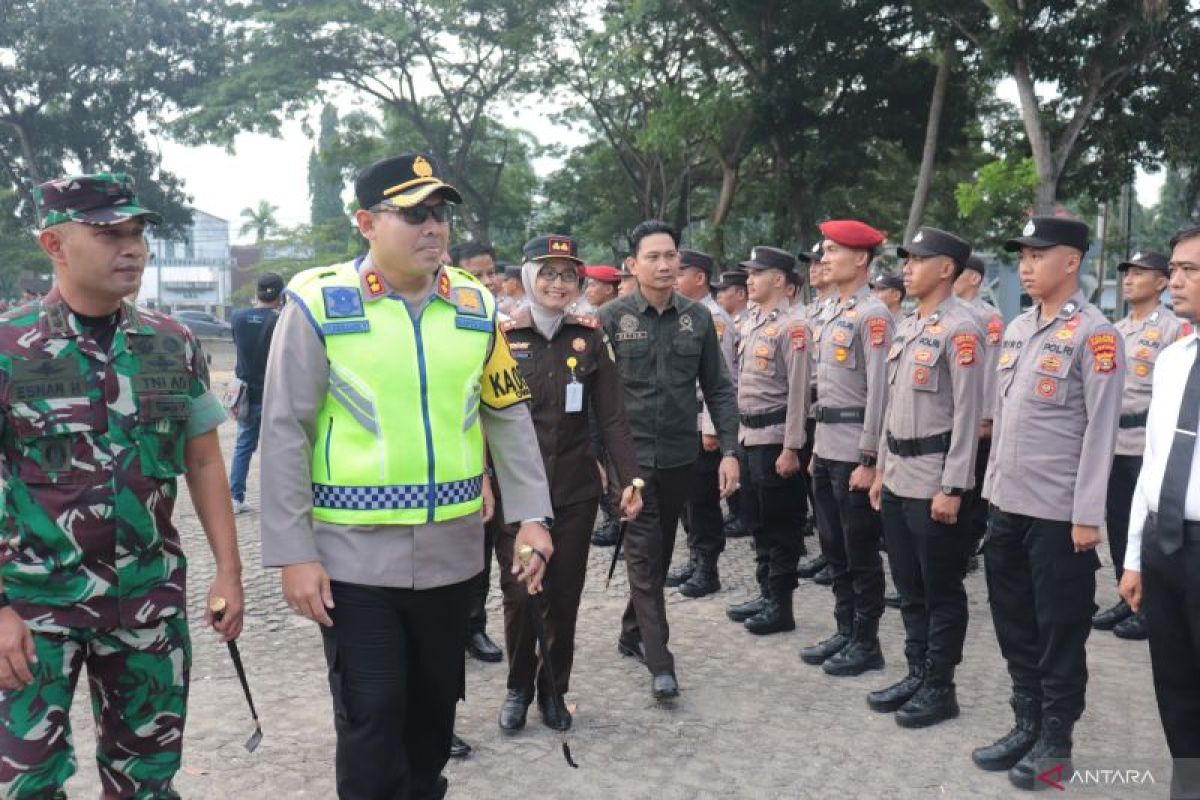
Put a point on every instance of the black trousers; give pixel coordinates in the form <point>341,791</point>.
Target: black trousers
<point>703,519</point>
<point>850,536</point>
<point>1042,595</point>
<point>777,538</point>
<point>974,509</point>
<point>1171,600</point>
<point>1121,482</point>
<point>649,541</point>
<point>562,588</point>
<point>396,670</point>
<point>926,558</point>
<point>806,454</point>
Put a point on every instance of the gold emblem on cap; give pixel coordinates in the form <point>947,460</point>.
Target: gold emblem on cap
<point>422,168</point>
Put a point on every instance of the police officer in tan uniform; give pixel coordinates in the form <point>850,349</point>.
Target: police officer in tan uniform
<point>927,458</point>
<point>1149,327</point>
<point>773,408</point>
<point>967,288</point>
<point>816,568</point>
<point>851,351</point>
<point>1062,370</point>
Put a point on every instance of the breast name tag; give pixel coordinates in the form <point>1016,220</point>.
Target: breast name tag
<point>574,397</point>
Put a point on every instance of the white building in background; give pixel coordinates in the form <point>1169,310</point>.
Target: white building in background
<point>193,272</point>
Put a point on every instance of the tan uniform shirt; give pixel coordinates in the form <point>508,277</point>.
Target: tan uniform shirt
<point>851,349</point>
<point>936,375</point>
<point>1144,340</point>
<point>1055,429</point>
<point>992,322</point>
<point>727,337</point>
<point>814,315</point>
<point>775,367</point>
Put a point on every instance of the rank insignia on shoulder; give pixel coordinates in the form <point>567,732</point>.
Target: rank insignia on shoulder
<point>443,285</point>
<point>375,284</point>
<point>469,301</point>
<point>586,320</point>
<point>342,302</point>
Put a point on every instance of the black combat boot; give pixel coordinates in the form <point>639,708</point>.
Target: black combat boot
<point>744,611</point>
<point>862,654</point>
<point>734,528</point>
<point>605,533</point>
<point>824,577</point>
<point>808,569</point>
<point>705,579</point>
<point>1051,751</point>
<point>1109,618</point>
<point>1012,746</point>
<point>818,653</point>
<point>776,615</point>
<point>893,697</point>
<point>934,702</point>
<point>680,575</point>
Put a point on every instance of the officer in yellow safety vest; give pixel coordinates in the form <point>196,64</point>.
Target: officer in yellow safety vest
<point>383,374</point>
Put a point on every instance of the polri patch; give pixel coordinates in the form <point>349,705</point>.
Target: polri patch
<point>342,302</point>
<point>469,301</point>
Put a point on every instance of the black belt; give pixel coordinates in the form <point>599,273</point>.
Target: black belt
<point>925,446</point>
<point>766,419</point>
<point>1137,420</point>
<point>828,414</point>
<point>1191,530</point>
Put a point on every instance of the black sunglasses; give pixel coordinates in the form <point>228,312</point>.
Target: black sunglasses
<point>415,215</point>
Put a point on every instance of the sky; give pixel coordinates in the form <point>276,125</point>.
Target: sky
<point>276,170</point>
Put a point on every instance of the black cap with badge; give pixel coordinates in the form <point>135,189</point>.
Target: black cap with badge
<point>1147,259</point>
<point>762,257</point>
<point>403,182</point>
<point>976,263</point>
<point>936,242</point>
<point>1043,232</point>
<point>890,280</point>
<point>552,246</point>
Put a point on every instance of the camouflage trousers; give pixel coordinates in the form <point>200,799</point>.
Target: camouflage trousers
<point>139,684</point>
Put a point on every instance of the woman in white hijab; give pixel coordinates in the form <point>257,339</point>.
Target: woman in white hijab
<point>567,362</point>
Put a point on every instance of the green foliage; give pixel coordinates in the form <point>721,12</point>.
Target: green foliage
<point>325,182</point>
<point>998,199</point>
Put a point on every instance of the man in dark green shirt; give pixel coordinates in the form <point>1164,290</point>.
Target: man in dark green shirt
<point>664,343</point>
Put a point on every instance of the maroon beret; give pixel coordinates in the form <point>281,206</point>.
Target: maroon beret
<point>852,233</point>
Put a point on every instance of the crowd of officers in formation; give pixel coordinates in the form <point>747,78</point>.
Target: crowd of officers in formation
<point>418,417</point>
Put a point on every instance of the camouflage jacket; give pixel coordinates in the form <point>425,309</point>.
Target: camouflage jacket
<point>92,444</point>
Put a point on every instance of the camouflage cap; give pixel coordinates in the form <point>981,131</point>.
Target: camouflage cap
<point>104,198</point>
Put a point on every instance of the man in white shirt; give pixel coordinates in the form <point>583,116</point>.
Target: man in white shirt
<point>1163,556</point>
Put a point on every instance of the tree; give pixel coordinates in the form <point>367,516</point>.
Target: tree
<point>474,55</point>
<point>325,182</point>
<point>260,221</point>
<point>82,83</point>
<point>1102,60</point>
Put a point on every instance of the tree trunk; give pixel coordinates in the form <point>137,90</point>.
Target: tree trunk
<point>1043,154</point>
<point>916,212</point>
<point>729,185</point>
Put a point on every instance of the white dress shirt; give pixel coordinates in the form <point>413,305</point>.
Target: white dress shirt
<point>1170,376</point>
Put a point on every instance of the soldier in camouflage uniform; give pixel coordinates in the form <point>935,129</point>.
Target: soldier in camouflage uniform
<point>102,406</point>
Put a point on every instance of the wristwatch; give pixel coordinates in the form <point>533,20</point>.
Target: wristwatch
<point>868,459</point>
<point>545,522</point>
<point>729,453</point>
<point>953,491</point>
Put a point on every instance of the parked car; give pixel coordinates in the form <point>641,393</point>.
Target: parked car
<point>204,325</point>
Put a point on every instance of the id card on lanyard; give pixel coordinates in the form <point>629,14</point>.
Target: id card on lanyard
<point>574,399</point>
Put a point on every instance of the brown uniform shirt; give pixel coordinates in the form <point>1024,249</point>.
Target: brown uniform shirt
<point>1144,340</point>
<point>935,375</point>
<point>774,375</point>
<point>851,348</point>
<point>563,436</point>
<point>1055,429</point>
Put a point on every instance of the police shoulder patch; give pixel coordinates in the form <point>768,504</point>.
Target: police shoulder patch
<point>878,330</point>
<point>469,300</point>
<point>342,302</point>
